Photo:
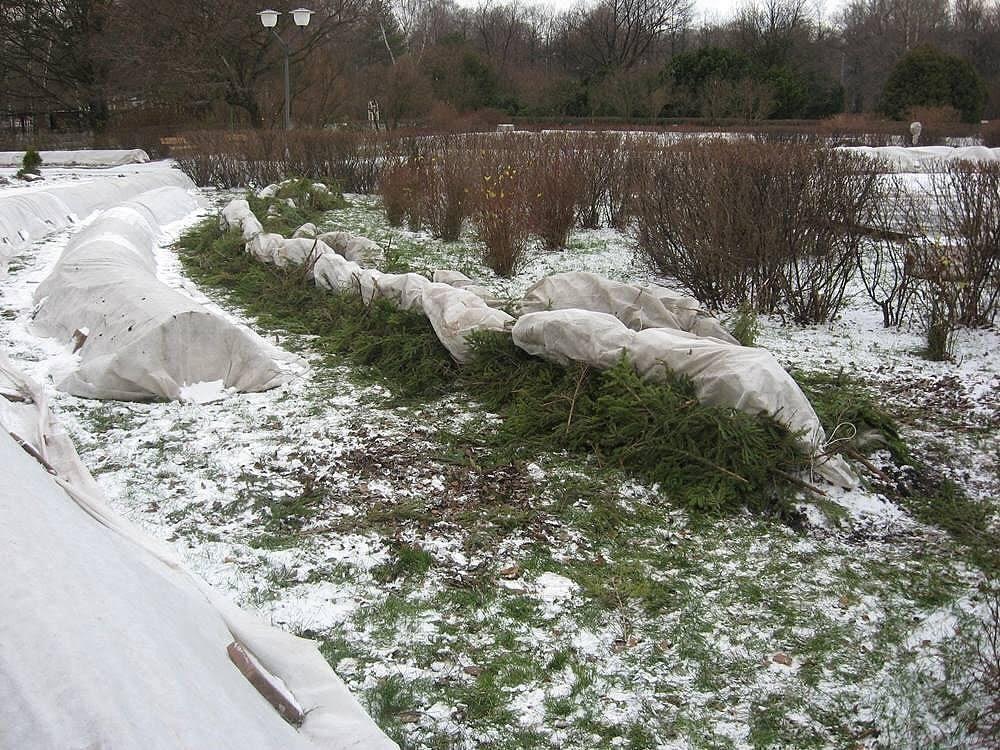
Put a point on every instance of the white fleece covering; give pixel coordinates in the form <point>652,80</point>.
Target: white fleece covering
<point>106,641</point>
<point>81,158</point>
<point>144,339</point>
<point>29,213</point>
<point>924,158</point>
<point>638,307</point>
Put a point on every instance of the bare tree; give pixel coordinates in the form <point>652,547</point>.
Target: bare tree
<point>191,47</point>
<point>52,55</point>
<point>619,34</point>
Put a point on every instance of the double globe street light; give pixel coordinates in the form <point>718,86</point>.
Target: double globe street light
<point>269,20</point>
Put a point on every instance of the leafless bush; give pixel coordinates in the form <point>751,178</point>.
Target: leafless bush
<point>885,261</point>
<point>770,227</point>
<point>449,178</point>
<point>395,189</point>
<point>628,168</point>
<point>501,212</point>
<point>596,161</point>
<point>827,202</point>
<point>553,168</point>
<point>352,160</point>
<point>967,198</point>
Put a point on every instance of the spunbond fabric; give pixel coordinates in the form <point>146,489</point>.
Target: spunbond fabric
<point>144,340</point>
<point>27,214</point>
<point>924,158</point>
<point>454,313</point>
<point>107,641</point>
<point>81,158</point>
<point>638,307</point>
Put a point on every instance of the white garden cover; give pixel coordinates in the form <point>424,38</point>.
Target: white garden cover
<point>82,158</point>
<point>723,374</point>
<point>638,307</point>
<point>461,281</point>
<point>106,641</point>
<point>924,158</point>
<point>144,340</point>
<point>455,314</point>
<point>356,248</point>
<point>29,213</point>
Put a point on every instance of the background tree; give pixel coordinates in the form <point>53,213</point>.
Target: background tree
<point>930,78</point>
<point>54,56</point>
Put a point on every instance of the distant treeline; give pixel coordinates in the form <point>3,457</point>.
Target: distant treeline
<point>430,62</point>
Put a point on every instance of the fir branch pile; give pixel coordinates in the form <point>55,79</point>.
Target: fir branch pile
<point>710,458</point>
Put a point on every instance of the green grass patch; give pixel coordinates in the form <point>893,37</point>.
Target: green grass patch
<point>408,561</point>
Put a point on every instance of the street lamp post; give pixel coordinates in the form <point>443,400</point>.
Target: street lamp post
<point>269,19</point>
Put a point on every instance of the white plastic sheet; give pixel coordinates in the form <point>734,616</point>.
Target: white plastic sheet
<point>107,641</point>
<point>144,339</point>
<point>743,378</point>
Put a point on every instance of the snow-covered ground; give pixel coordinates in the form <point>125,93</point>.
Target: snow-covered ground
<point>544,604</point>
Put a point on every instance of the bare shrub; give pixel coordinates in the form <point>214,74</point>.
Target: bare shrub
<point>595,162</point>
<point>692,221</point>
<point>885,260</point>
<point>501,213</point>
<point>449,179</point>
<point>395,193</point>
<point>628,165</point>
<point>554,181</point>
<point>941,315</point>
<point>224,159</point>
<point>967,198</point>
<point>415,191</point>
<point>770,227</point>
<point>826,205</point>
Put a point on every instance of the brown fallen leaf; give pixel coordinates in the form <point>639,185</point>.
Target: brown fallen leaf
<point>512,572</point>
<point>780,657</point>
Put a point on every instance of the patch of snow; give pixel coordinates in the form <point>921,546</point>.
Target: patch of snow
<point>205,392</point>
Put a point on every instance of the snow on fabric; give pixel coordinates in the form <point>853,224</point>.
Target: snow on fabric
<point>723,374</point>
<point>107,641</point>
<point>28,214</point>
<point>638,307</point>
<point>144,339</point>
<point>924,158</point>
<point>83,158</point>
